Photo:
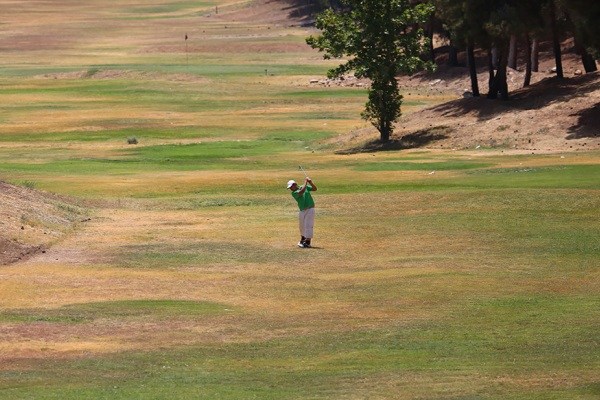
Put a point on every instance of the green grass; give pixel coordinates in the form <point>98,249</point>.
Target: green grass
<point>518,307</point>
<point>556,176</point>
<point>334,94</point>
<point>147,130</point>
<point>256,155</point>
<point>428,356</point>
<point>203,254</point>
<point>27,184</point>
<point>476,177</point>
<point>117,310</point>
<point>193,153</point>
<point>170,8</point>
<point>208,156</point>
<point>421,166</point>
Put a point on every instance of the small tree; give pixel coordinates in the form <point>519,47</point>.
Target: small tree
<point>382,40</point>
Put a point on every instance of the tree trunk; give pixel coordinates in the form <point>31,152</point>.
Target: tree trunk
<point>528,57</point>
<point>472,68</point>
<point>492,89</point>
<point>452,55</point>
<point>498,81</point>
<point>384,131</point>
<point>535,55</point>
<point>588,61</point>
<point>512,53</point>
<point>589,64</point>
<point>495,57</point>
<point>501,76</point>
<point>429,33</point>
<point>556,41</point>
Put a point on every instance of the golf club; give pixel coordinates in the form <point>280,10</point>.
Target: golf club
<point>302,169</point>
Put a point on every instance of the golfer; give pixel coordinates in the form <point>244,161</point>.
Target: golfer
<point>306,204</point>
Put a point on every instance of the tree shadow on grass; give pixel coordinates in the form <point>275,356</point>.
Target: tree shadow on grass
<point>305,10</point>
<point>411,141</point>
<point>588,124</point>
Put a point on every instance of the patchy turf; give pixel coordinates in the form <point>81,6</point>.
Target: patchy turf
<point>435,274</point>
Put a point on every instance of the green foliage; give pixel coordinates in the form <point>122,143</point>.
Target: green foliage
<point>487,22</point>
<point>585,15</point>
<point>381,41</point>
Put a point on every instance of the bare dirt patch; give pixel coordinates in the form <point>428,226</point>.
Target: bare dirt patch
<point>550,115</point>
<point>12,250</point>
<point>32,220</point>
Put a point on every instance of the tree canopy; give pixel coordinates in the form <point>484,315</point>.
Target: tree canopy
<point>381,39</point>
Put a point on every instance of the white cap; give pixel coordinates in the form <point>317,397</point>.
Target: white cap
<point>290,183</point>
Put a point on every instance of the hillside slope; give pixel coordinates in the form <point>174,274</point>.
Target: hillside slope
<point>31,220</point>
<point>551,115</point>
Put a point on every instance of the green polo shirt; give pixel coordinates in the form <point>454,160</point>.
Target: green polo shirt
<point>305,200</point>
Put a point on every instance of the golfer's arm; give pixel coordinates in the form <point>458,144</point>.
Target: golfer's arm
<point>313,186</point>
<point>302,190</point>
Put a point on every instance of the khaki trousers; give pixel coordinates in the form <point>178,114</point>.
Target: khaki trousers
<point>306,219</point>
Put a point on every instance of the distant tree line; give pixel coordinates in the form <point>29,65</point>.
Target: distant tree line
<point>500,26</point>
<point>384,38</point>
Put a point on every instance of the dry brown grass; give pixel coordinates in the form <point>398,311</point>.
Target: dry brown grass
<point>289,291</point>
<point>80,270</point>
<point>388,265</point>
